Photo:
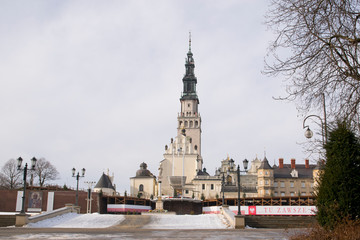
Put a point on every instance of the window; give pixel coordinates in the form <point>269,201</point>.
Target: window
<point>196,123</point>
<point>275,184</point>
<point>260,172</point>
<point>267,191</point>
<point>141,188</point>
<point>191,124</point>
<point>266,182</point>
<point>212,186</point>
<point>303,193</point>
<point>291,184</point>
<point>260,182</point>
<point>282,184</point>
<point>292,194</point>
<point>266,173</point>
<point>186,191</point>
<point>275,194</point>
<point>302,184</point>
<point>203,186</point>
<point>229,179</point>
<point>186,123</point>
<point>282,193</point>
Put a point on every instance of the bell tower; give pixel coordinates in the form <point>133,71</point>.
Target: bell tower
<point>182,157</point>
<point>189,117</point>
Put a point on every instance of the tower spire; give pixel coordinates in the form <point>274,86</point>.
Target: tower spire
<point>189,79</point>
<point>189,41</point>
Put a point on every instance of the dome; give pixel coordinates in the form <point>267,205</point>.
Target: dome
<point>143,172</point>
<point>143,166</point>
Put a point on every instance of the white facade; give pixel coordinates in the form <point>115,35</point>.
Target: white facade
<point>182,157</point>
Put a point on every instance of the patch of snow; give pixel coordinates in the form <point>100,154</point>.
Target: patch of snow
<point>205,221</point>
<point>14,213</point>
<point>74,220</point>
<point>8,213</point>
<point>248,227</point>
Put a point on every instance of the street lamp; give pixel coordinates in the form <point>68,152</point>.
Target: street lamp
<point>25,169</point>
<point>245,162</point>
<point>223,185</point>
<point>77,176</point>
<point>308,133</point>
<point>183,132</point>
<point>89,198</point>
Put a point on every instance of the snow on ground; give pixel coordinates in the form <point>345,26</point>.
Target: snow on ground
<point>161,221</point>
<point>206,221</point>
<point>74,220</point>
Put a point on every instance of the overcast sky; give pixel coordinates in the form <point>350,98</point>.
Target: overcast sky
<point>96,84</point>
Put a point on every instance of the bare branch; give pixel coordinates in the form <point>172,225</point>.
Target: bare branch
<point>322,40</point>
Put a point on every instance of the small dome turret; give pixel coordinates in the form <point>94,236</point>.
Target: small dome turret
<point>143,171</point>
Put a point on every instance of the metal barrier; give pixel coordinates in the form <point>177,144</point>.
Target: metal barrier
<point>263,201</point>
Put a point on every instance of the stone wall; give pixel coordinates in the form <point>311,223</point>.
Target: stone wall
<point>9,197</point>
<point>280,221</point>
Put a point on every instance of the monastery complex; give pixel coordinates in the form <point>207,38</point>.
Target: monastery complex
<point>181,172</point>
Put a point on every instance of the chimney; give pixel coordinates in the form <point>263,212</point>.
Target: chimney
<point>281,163</point>
<point>293,163</point>
<point>307,163</point>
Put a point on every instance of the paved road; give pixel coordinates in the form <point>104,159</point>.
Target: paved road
<point>131,228</point>
<point>132,233</point>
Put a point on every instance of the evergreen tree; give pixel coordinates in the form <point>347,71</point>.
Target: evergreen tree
<point>338,194</point>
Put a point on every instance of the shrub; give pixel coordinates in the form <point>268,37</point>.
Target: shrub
<point>347,229</point>
<point>338,193</point>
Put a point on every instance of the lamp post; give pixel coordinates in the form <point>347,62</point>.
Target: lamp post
<point>245,162</point>
<point>25,169</point>
<point>89,198</point>
<point>309,133</point>
<point>183,132</point>
<point>223,185</point>
<point>77,176</point>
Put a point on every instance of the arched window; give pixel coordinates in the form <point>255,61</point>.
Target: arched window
<point>141,188</point>
<point>195,147</point>
<point>191,124</point>
<point>196,123</point>
<point>186,123</point>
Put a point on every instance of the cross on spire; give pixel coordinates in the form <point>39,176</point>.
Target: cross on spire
<point>189,41</point>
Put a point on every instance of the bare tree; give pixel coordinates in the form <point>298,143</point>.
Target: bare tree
<point>45,171</point>
<point>317,49</point>
<point>10,177</point>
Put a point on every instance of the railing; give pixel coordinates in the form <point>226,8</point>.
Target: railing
<point>127,200</point>
<point>265,201</point>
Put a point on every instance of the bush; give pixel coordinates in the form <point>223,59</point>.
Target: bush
<point>338,193</point>
<point>347,229</point>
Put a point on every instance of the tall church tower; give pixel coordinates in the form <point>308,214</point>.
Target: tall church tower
<point>189,117</point>
<point>182,158</point>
